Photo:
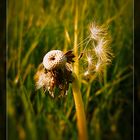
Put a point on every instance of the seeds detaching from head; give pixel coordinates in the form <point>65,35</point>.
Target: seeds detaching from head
<point>100,54</point>
<point>54,72</point>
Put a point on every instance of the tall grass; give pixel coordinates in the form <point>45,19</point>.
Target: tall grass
<point>34,28</point>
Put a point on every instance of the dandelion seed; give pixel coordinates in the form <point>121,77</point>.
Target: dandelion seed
<point>41,81</point>
<point>89,59</point>
<point>103,51</point>
<point>44,79</point>
<point>98,67</point>
<point>40,77</point>
<point>97,31</point>
<point>86,73</point>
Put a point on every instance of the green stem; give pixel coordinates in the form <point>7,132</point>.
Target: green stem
<point>76,64</point>
<point>81,119</point>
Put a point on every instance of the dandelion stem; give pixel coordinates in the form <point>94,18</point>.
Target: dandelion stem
<point>76,37</point>
<point>81,119</point>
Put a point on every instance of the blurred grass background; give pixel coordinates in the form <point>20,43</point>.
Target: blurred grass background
<point>34,28</point>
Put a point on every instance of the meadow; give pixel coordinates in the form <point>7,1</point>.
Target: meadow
<point>36,27</point>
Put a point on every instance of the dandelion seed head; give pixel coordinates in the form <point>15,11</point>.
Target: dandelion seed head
<point>54,59</point>
<point>55,72</point>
